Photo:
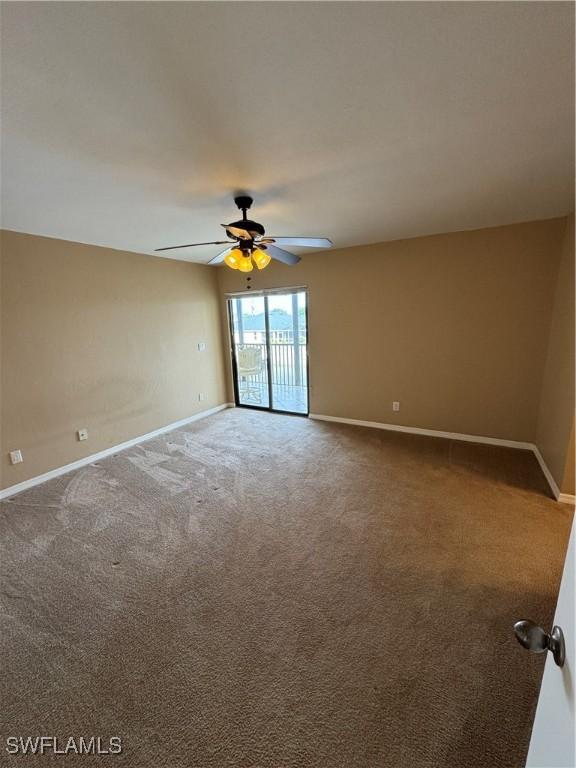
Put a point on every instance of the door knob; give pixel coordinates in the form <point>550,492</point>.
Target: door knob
<point>533,637</point>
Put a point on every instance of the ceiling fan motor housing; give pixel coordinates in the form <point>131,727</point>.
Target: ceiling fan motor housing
<point>249,226</point>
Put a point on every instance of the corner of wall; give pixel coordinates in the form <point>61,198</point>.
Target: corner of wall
<point>555,417</point>
<point>225,334</point>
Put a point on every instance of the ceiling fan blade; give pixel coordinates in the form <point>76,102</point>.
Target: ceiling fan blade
<point>302,242</point>
<point>219,258</point>
<point>243,234</point>
<point>191,245</point>
<point>280,255</point>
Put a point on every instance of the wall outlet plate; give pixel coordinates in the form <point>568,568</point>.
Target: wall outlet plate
<point>16,457</point>
<point>395,405</point>
<point>201,396</point>
<point>82,434</point>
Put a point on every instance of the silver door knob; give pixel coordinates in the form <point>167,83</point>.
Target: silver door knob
<point>533,637</point>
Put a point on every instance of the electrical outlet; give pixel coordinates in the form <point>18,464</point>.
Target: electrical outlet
<point>201,396</point>
<point>395,405</point>
<point>82,434</point>
<point>16,457</point>
<point>201,346</point>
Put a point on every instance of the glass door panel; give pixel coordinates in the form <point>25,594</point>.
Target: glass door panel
<point>248,317</point>
<point>288,335</point>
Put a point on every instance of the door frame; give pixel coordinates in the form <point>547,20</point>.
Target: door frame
<point>234,364</point>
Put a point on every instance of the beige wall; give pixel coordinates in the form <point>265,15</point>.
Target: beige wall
<point>101,339</point>
<point>473,332</point>
<point>555,430</point>
<point>453,326</point>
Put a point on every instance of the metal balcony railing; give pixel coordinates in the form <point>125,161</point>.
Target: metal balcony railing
<point>288,363</point>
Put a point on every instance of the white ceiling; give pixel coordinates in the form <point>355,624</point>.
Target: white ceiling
<point>130,124</point>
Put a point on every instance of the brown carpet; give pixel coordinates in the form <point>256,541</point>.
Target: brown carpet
<point>269,591</point>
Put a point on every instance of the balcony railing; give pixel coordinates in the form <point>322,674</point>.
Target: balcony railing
<point>288,363</point>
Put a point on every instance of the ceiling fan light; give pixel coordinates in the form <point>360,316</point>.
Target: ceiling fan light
<point>261,258</point>
<point>245,264</point>
<point>233,258</point>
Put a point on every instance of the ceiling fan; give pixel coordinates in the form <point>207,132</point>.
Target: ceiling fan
<point>247,243</point>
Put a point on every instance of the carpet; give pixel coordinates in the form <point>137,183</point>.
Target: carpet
<point>265,591</point>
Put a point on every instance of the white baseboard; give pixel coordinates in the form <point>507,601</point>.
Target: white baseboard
<point>428,432</point>
<point>547,474</point>
<point>564,498</point>
<point>23,486</point>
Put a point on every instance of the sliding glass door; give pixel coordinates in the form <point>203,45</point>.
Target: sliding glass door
<point>270,350</point>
